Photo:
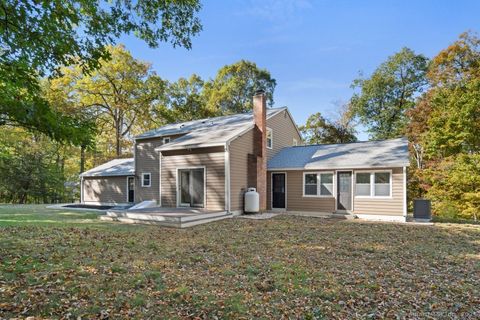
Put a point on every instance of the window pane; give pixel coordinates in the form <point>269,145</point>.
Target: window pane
<point>326,178</point>
<point>362,189</point>
<point>326,184</point>
<point>269,138</point>
<point>311,190</point>
<point>363,178</point>
<point>382,177</point>
<point>311,184</point>
<point>326,189</point>
<point>382,190</point>
<point>311,179</point>
<point>146,179</point>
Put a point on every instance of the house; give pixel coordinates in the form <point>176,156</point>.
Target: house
<point>210,163</point>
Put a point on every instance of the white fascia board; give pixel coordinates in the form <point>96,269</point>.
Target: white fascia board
<point>336,168</point>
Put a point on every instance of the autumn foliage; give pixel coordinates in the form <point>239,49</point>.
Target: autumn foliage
<point>444,131</point>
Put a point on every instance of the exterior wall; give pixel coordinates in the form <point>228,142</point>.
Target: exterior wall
<point>391,206</point>
<point>105,190</point>
<point>240,148</point>
<point>213,159</point>
<point>379,206</point>
<point>283,133</point>
<point>294,198</point>
<point>147,161</point>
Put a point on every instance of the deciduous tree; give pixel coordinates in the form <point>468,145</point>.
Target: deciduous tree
<point>319,130</point>
<point>384,97</point>
<point>232,89</point>
<point>119,95</point>
<point>36,37</point>
<point>445,129</point>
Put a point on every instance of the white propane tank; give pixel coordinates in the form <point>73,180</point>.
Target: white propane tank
<point>252,201</point>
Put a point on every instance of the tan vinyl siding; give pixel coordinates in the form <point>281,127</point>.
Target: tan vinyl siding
<point>214,162</point>
<point>283,133</point>
<point>106,189</point>
<point>372,206</point>
<point>391,206</point>
<point>295,199</point>
<point>147,161</point>
<point>239,150</point>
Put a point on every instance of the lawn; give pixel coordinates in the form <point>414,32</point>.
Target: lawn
<point>56,264</point>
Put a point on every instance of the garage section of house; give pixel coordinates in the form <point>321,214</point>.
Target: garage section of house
<point>367,179</point>
<point>111,183</point>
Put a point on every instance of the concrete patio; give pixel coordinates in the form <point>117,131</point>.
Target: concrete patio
<point>169,217</point>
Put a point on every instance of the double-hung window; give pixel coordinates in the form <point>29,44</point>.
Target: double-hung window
<point>311,184</point>
<point>317,184</point>
<point>146,180</point>
<point>373,184</point>
<point>269,138</point>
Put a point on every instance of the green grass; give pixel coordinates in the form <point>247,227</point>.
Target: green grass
<point>55,264</point>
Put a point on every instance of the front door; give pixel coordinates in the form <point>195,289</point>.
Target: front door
<point>191,187</point>
<point>344,191</point>
<point>131,189</point>
<point>278,190</point>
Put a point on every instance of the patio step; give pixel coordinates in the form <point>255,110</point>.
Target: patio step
<point>165,219</point>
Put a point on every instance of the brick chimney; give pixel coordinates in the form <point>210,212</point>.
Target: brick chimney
<point>260,145</point>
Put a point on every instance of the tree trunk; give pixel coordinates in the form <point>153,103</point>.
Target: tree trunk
<point>118,136</point>
<point>82,159</point>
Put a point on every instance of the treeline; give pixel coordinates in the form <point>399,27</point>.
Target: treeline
<point>436,104</point>
<point>44,131</point>
<point>122,98</point>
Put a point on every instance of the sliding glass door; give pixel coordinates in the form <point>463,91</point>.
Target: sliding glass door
<point>191,187</point>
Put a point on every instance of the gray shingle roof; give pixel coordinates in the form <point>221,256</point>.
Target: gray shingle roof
<point>206,132</point>
<point>116,167</point>
<point>184,127</point>
<point>368,154</point>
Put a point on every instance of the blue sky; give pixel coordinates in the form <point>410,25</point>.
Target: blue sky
<point>314,49</point>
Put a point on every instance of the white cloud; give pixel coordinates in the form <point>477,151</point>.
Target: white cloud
<point>276,10</point>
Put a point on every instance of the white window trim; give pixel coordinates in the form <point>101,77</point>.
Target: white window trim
<point>143,179</point>
<point>269,130</point>
<point>177,187</point>
<point>372,184</point>
<point>318,195</point>
<point>166,140</point>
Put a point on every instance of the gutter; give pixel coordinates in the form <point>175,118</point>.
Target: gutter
<point>339,168</point>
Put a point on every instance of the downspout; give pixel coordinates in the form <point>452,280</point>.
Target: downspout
<point>405,192</point>
<point>227,177</point>
<point>160,178</point>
